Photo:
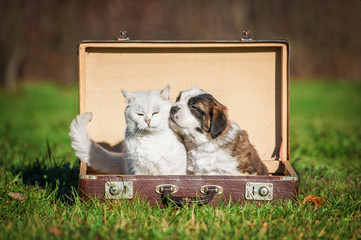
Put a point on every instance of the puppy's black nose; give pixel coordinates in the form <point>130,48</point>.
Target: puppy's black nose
<point>173,110</point>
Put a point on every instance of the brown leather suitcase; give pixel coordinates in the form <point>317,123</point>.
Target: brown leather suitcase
<point>250,77</point>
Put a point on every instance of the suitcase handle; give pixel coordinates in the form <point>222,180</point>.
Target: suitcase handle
<point>168,199</point>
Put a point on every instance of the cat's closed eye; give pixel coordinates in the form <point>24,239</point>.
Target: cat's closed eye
<point>155,113</point>
<point>140,114</point>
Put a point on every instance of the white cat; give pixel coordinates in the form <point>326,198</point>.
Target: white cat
<point>151,147</point>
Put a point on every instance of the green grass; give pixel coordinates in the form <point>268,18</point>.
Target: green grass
<point>36,160</point>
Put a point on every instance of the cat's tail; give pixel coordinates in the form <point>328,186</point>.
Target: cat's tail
<point>95,156</point>
<point>80,140</point>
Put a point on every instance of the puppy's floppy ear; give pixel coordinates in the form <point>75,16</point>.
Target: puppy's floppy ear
<point>218,120</point>
<point>164,94</point>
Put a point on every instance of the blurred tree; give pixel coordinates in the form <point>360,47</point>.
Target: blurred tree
<point>12,45</point>
<point>38,38</point>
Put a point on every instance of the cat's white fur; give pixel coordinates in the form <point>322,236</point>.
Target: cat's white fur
<point>151,147</point>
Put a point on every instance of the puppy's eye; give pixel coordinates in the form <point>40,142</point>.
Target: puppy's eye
<point>140,114</point>
<point>155,113</point>
<point>192,106</point>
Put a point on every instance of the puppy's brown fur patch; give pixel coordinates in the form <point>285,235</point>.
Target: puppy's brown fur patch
<point>249,160</point>
<point>211,113</point>
<point>241,148</point>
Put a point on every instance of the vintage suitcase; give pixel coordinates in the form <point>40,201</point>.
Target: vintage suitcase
<point>250,77</point>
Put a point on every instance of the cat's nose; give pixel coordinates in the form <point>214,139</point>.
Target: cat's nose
<point>174,110</point>
<point>147,122</point>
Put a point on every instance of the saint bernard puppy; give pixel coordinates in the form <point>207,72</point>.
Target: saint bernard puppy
<point>215,145</point>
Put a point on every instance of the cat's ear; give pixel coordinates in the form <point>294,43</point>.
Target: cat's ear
<point>128,95</point>
<point>164,94</point>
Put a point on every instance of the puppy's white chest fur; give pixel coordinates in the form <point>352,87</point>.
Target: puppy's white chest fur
<point>207,159</point>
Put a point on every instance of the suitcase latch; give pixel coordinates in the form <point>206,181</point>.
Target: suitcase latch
<point>259,191</point>
<point>119,190</point>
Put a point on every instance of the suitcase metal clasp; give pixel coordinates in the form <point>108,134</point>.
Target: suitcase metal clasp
<point>119,190</point>
<point>259,191</point>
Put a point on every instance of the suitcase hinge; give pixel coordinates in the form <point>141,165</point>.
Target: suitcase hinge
<point>246,35</point>
<point>123,35</point>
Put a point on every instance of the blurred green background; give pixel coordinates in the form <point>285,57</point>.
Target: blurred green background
<point>38,39</point>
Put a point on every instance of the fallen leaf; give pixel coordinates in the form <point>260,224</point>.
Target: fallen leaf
<point>321,233</point>
<point>10,225</point>
<point>349,180</point>
<point>18,196</point>
<point>265,227</point>
<point>250,224</point>
<point>55,231</point>
<point>315,200</point>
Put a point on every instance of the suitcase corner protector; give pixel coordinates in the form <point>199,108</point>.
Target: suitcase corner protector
<point>92,177</point>
<point>290,178</point>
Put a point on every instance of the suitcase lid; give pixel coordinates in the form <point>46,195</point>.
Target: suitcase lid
<point>251,78</point>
